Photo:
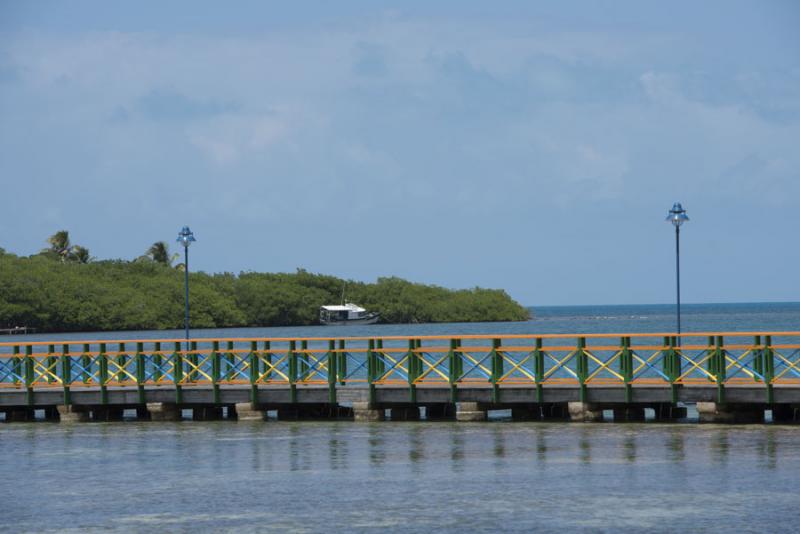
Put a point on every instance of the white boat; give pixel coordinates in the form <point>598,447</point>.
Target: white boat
<point>345,314</point>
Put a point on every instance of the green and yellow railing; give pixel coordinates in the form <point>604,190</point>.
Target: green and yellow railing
<point>764,359</point>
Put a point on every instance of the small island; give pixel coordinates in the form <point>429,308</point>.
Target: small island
<point>64,289</point>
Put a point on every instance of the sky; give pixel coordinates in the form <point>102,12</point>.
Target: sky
<point>530,146</point>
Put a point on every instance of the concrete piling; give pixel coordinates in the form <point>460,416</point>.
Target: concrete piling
<point>366,412</point>
<point>470,411</point>
<point>163,411</point>
<point>246,411</point>
<point>713,412</point>
<point>72,414</point>
<point>585,412</point>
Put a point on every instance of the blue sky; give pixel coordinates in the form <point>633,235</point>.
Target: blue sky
<point>530,146</point>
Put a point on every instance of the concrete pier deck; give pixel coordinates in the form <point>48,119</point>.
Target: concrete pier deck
<point>729,377</point>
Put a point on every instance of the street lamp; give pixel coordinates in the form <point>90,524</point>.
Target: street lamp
<point>677,216</point>
<point>186,238</point>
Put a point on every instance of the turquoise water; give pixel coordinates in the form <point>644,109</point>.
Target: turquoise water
<point>424,476</point>
<point>546,320</point>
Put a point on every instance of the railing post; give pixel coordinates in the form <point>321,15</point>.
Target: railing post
<point>497,369</point>
<point>719,353</point>
<point>583,367</point>
<point>140,371</point>
<point>157,362</point>
<point>668,351</point>
<point>371,371</point>
<point>292,357</point>
<point>216,364</point>
<point>769,368</point>
<point>342,356</point>
<point>538,364</point>
<point>712,359</point>
<point>230,360</point>
<point>66,373</point>
<point>16,365</point>
<point>103,374</point>
<point>303,360</point>
<point>86,362</point>
<point>453,368</point>
<point>177,367</point>
<point>29,372</point>
<point>268,359</point>
<point>459,361</point>
<point>331,357</point>
<point>380,364</point>
<point>758,357</point>
<point>626,366</point>
<point>253,356</point>
<point>412,371</point>
<point>674,368</point>
<point>121,360</point>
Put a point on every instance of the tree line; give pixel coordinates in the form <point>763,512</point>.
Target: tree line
<point>65,289</point>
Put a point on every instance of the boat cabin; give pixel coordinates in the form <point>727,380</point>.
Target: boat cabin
<point>347,312</point>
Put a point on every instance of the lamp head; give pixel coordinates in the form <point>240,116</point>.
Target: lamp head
<point>677,215</point>
<point>186,237</point>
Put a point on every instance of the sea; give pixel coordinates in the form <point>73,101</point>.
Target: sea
<point>413,476</point>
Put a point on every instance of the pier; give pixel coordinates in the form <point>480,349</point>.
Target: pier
<point>733,377</point>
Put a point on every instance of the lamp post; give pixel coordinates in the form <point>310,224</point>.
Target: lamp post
<point>186,238</point>
<point>677,216</point>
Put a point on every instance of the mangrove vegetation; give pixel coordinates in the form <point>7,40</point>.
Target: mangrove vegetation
<point>64,289</point>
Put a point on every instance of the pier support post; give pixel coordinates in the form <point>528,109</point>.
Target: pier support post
<point>20,415</point>
<point>311,412</point>
<point>585,412</point>
<point>106,413</point>
<point>409,413</point>
<point>72,414</point>
<point>781,413</point>
<point>713,412</point>
<point>470,411</point>
<point>364,411</point>
<point>629,414</point>
<point>164,411</point>
<point>555,411</point>
<point>206,413</point>
<point>440,412</point>
<point>669,412</point>
<point>526,413</point>
<point>247,411</point>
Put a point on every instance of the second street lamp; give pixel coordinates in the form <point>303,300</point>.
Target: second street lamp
<point>186,238</point>
<point>677,216</point>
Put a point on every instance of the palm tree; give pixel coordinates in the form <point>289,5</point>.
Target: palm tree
<point>59,245</point>
<point>159,253</point>
<point>79,254</point>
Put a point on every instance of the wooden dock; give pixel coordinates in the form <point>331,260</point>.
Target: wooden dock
<point>729,377</point>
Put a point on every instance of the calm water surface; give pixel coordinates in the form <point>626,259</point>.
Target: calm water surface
<point>401,476</point>
<point>420,476</point>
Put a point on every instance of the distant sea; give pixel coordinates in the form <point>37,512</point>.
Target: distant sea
<point>636,318</point>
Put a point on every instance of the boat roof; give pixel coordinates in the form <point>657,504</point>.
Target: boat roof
<point>347,307</point>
